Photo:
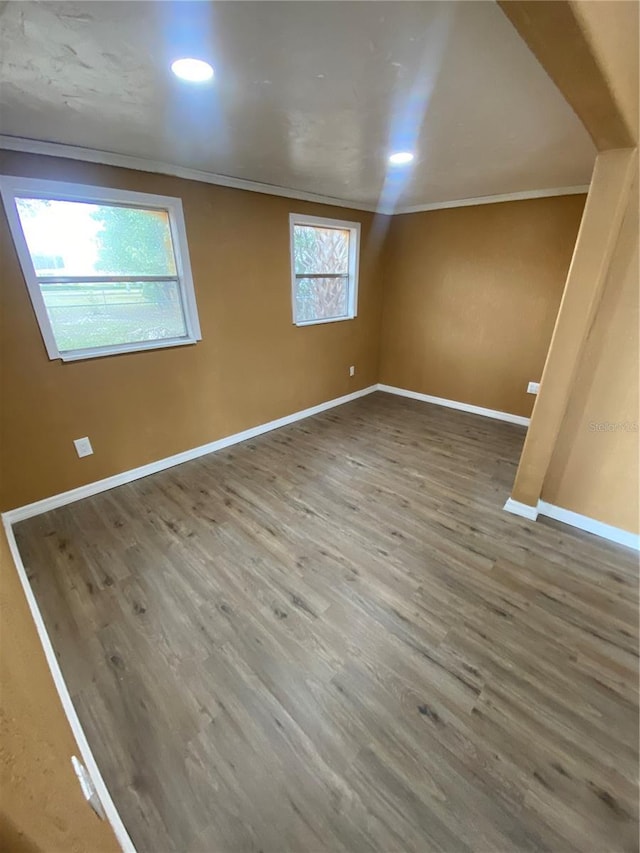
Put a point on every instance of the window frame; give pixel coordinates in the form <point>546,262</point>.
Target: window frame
<point>15,187</point>
<point>354,264</point>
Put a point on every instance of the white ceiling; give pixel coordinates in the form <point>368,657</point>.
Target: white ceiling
<point>311,96</point>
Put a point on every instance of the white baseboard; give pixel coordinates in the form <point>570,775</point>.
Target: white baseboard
<point>38,507</point>
<point>591,525</point>
<point>70,712</point>
<point>583,522</point>
<point>517,508</point>
<point>598,528</point>
<point>454,404</point>
<point>12,516</point>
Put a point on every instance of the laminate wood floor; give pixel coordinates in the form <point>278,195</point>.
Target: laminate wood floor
<point>332,639</point>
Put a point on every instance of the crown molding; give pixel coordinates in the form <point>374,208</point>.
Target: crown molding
<point>494,199</point>
<point>142,164</point>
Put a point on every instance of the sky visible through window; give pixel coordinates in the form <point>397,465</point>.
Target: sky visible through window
<point>80,240</point>
<point>62,232</point>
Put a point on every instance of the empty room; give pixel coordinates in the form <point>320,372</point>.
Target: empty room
<point>319,429</point>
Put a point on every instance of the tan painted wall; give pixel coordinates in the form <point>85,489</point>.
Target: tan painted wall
<point>41,805</point>
<point>611,28</point>
<point>594,471</point>
<point>589,48</point>
<point>252,366</point>
<point>601,221</point>
<point>471,297</point>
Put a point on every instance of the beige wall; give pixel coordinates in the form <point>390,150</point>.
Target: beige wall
<point>469,310</point>
<point>471,297</point>
<point>611,30</point>
<point>601,221</point>
<point>252,366</point>
<point>41,805</point>
<point>593,471</point>
<point>590,49</point>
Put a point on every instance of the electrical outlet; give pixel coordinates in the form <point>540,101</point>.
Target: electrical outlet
<point>352,370</point>
<point>83,446</point>
<point>533,387</point>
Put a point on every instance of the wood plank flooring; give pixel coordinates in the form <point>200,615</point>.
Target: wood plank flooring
<point>333,639</point>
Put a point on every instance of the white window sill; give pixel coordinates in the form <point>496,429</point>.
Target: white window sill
<point>323,322</point>
<point>100,352</point>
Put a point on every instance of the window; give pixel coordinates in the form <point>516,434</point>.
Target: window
<point>107,270</point>
<point>324,269</point>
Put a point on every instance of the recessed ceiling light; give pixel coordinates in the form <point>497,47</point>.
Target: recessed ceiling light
<point>192,70</point>
<point>401,158</point>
